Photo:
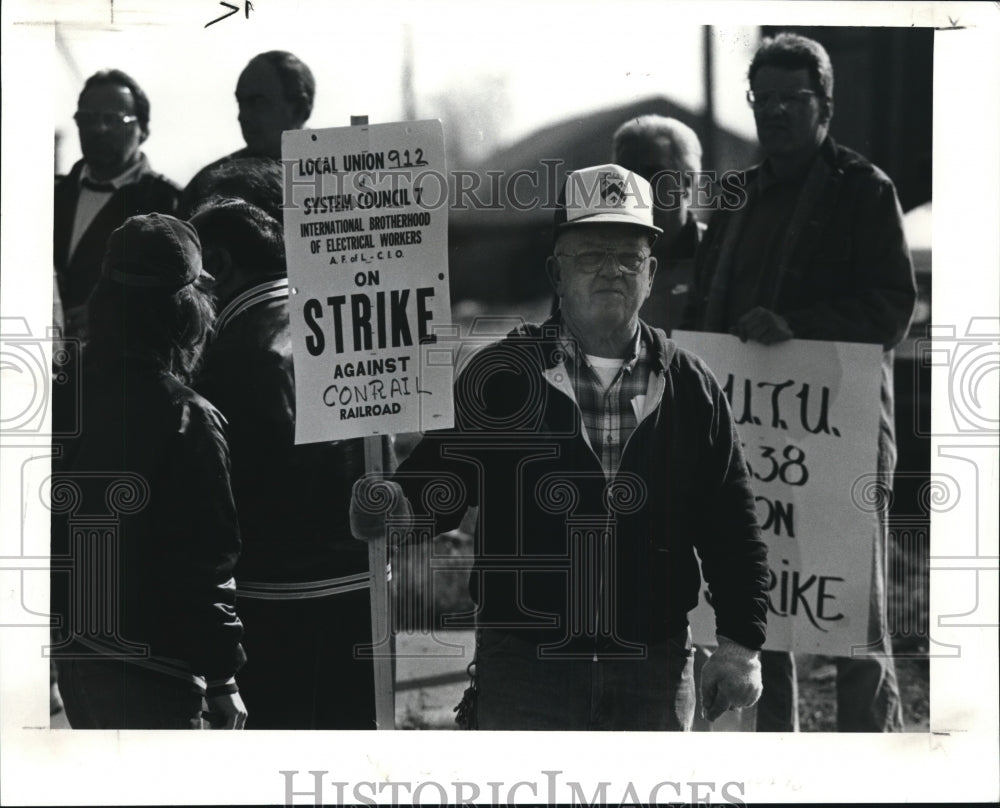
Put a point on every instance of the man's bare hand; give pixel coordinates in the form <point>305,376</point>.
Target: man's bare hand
<point>763,326</point>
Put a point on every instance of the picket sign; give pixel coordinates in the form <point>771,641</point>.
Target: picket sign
<point>366,243</point>
<point>807,413</point>
<point>379,593</point>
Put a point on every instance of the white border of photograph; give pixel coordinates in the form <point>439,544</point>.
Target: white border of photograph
<point>957,760</point>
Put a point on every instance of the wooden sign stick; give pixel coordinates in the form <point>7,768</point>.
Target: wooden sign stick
<point>378,560</point>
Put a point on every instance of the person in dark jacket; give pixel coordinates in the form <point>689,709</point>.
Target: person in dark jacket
<point>145,538</point>
<point>302,578</point>
<point>112,182</point>
<point>817,252</point>
<point>601,457</point>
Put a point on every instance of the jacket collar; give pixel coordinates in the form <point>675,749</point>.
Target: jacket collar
<point>829,152</point>
<point>272,288</point>
<point>127,177</point>
<point>661,349</point>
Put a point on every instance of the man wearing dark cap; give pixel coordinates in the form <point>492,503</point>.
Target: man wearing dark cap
<point>144,530</point>
<point>817,252</point>
<point>601,457</point>
<point>302,577</point>
<point>112,182</point>
<point>275,93</point>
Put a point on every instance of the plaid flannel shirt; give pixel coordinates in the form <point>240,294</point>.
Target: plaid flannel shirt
<point>610,416</point>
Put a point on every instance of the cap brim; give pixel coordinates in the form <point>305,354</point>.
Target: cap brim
<point>610,218</point>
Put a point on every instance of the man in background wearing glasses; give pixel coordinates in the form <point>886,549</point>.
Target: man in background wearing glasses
<point>817,252</point>
<point>112,182</point>
<point>600,456</point>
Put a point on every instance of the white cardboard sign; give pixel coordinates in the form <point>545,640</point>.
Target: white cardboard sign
<point>807,413</point>
<point>366,238</point>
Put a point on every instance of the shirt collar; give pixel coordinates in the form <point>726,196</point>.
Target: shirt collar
<point>127,177</point>
<point>569,343</point>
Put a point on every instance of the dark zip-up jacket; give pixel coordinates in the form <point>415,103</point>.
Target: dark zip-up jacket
<point>564,557</point>
<point>144,531</point>
<point>291,499</point>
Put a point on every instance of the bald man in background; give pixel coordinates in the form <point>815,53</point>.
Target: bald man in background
<point>667,153</point>
<point>275,93</point>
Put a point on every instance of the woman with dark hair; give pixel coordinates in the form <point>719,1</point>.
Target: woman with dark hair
<point>144,526</point>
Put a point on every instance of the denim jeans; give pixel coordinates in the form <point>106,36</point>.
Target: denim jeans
<point>517,690</point>
<point>110,694</point>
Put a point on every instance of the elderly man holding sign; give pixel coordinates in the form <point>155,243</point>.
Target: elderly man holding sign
<point>601,457</point>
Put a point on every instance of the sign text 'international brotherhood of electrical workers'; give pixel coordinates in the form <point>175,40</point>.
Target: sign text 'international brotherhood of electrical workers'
<point>366,235</point>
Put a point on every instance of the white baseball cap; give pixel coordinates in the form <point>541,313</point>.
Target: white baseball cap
<point>605,194</point>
